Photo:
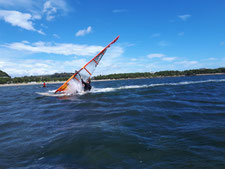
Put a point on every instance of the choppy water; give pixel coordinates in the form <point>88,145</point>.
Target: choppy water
<point>146,123</point>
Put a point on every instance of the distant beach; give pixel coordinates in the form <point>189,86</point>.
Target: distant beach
<point>29,83</point>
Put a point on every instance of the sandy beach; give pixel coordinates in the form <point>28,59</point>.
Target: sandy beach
<point>30,83</point>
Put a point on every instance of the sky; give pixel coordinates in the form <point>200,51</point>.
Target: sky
<point>39,37</point>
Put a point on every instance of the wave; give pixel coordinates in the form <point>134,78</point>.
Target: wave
<point>108,89</point>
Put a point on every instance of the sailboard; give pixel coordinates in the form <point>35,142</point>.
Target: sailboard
<point>85,72</point>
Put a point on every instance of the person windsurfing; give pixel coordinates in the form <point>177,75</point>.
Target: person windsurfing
<point>87,70</point>
<point>87,85</point>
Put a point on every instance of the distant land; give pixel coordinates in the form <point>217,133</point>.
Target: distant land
<point>6,79</point>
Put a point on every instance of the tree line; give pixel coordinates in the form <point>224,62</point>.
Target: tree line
<point>5,78</point>
<point>166,73</point>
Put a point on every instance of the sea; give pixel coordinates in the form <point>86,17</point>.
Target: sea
<point>158,123</point>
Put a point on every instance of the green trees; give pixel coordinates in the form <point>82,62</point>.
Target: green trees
<point>4,74</point>
<point>160,74</point>
<point>5,78</point>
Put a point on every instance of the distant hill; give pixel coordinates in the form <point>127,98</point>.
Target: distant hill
<point>4,77</point>
<point>4,74</point>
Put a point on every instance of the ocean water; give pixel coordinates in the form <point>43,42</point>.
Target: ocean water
<point>176,122</point>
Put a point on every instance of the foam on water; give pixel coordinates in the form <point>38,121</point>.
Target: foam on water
<point>99,90</point>
<point>76,88</point>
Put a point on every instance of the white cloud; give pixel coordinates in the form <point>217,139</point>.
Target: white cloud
<point>56,48</point>
<point>36,67</point>
<point>56,36</point>
<point>60,5</point>
<point>20,4</point>
<point>49,10</point>
<point>184,17</point>
<point>16,18</point>
<point>161,57</point>
<point>133,59</point>
<point>155,55</point>
<point>41,32</point>
<point>112,62</point>
<point>36,16</point>
<point>84,31</point>
<point>168,58</point>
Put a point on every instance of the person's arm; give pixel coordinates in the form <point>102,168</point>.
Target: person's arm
<point>82,81</point>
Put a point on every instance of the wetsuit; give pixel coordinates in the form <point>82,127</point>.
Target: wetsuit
<point>87,86</point>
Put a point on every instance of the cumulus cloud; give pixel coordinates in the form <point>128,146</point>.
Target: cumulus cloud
<point>56,48</point>
<point>32,10</point>
<point>16,18</point>
<point>50,10</point>
<point>184,17</point>
<point>40,67</point>
<point>84,31</point>
<point>112,62</point>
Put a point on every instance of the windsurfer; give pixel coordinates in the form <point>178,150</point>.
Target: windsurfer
<point>87,84</point>
<point>86,71</point>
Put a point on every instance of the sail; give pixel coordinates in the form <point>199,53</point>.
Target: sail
<point>85,72</point>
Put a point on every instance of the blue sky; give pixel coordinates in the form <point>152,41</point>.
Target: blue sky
<point>47,36</point>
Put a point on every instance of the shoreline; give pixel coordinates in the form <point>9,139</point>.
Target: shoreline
<point>58,82</point>
<point>30,83</point>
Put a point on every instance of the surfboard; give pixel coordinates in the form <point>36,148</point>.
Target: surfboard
<point>50,94</point>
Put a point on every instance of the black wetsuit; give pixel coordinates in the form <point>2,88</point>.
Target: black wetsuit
<point>87,86</point>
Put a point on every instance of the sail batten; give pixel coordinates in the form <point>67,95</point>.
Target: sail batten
<point>86,71</point>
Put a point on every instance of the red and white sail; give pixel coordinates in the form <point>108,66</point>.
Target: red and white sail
<point>86,71</point>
